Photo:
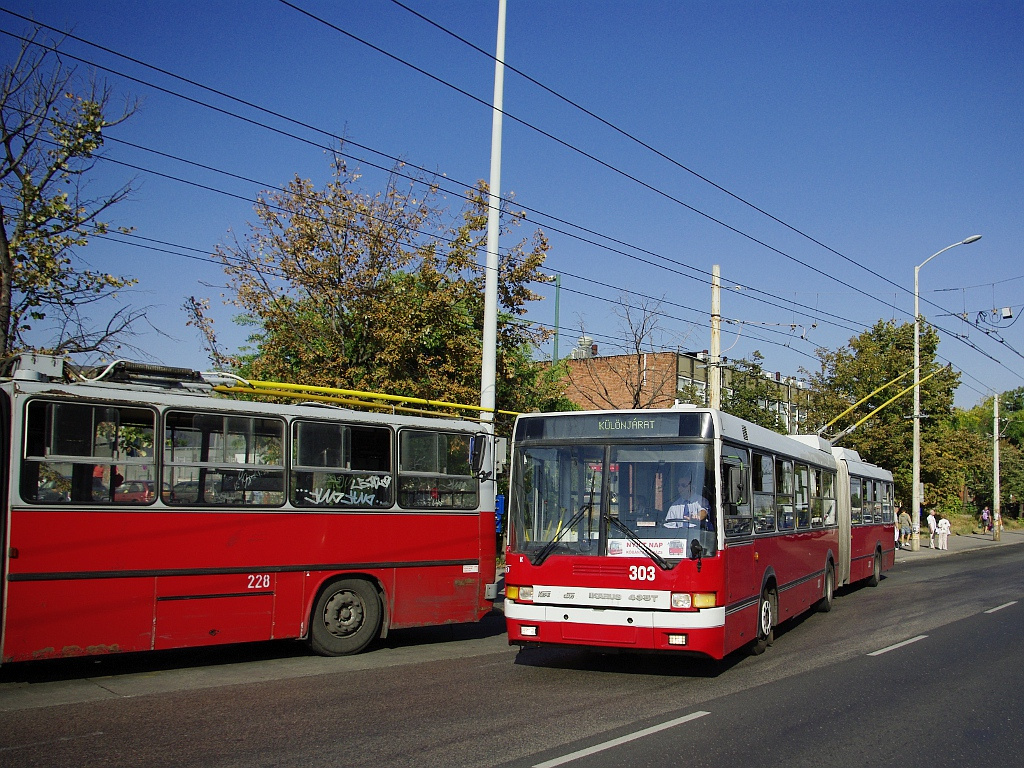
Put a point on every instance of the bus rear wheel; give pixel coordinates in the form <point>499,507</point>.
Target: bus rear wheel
<point>829,590</point>
<point>876,570</point>
<point>346,618</point>
<point>765,621</point>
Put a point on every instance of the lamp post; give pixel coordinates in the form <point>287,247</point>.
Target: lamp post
<point>915,538</point>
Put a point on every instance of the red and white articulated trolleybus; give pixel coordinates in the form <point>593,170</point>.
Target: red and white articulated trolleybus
<point>683,529</point>
<point>141,511</point>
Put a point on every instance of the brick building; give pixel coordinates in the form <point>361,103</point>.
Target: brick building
<point>654,380</point>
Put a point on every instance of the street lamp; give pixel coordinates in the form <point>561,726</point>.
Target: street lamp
<point>915,538</point>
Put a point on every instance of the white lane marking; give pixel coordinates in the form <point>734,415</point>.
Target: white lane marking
<point>1000,607</point>
<point>621,740</point>
<point>34,744</point>
<point>880,651</point>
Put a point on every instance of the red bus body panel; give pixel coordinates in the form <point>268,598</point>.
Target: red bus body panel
<point>113,581</point>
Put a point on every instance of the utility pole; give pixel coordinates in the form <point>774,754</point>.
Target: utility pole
<point>558,290</point>
<point>714,365</point>
<point>996,514</point>
<point>489,358</point>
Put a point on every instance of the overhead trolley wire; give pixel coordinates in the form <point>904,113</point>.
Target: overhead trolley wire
<point>818,313</point>
<point>468,95</point>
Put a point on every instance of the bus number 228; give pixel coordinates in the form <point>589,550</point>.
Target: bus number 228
<point>641,573</point>
<point>259,581</point>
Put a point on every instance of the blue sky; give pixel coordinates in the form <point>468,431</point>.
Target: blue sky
<point>884,131</point>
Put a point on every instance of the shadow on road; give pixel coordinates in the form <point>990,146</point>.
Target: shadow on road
<point>52,670</point>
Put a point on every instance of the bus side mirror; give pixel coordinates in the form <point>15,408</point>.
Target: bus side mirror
<point>477,448</point>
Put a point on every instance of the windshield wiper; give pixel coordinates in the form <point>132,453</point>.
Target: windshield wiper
<point>660,561</point>
<point>548,548</point>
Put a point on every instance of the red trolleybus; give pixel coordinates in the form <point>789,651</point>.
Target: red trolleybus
<point>141,512</point>
<point>680,530</point>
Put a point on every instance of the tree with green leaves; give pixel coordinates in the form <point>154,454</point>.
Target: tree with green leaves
<point>750,392</point>
<point>51,127</point>
<point>380,291</point>
<point>979,421</point>
<point>876,360</point>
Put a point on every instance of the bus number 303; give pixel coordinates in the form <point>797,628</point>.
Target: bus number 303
<point>261,580</point>
<point>641,573</point>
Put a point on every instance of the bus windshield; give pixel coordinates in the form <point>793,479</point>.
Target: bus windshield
<point>623,500</point>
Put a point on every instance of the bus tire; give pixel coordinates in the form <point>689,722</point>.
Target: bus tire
<point>828,591</point>
<point>346,618</point>
<point>876,570</point>
<point>766,610</point>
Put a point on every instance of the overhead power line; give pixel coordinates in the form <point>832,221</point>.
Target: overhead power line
<point>562,142</point>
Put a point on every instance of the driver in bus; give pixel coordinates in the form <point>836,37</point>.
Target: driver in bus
<point>689,510</point>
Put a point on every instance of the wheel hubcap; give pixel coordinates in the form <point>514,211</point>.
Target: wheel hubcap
<point>343,614</point>
<point>766,617</point>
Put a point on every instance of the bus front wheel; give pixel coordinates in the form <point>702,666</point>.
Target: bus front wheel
<point>346,618</point>
<point>765,621</point>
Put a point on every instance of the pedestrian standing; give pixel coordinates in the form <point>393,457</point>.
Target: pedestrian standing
<point>931,528</point>
<point>904,529</point>
<point>986,520</point>
<point>943,529</point>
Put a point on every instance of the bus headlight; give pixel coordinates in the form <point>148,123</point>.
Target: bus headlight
<point>519,593</point>
<point>686,600</point>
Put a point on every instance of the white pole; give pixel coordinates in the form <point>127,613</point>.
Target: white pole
<point>490,336</point>
<point>488,363</point>
<point>915,512</point>
<point>715,370</point>
<point>996,513</point>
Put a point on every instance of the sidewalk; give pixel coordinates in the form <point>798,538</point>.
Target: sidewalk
<point>964,543</point>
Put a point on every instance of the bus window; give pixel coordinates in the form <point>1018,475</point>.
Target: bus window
<point>434,471</point>
<point>855,500</point>
<point>827,500</point>
<point>763,477</point>
<point>341,465</point>
<point>802,496</point>
<point>94,454</point>
<point>867,508</point>
<point>220,459</point>
<point>784,495</point>
<point>735,496</point>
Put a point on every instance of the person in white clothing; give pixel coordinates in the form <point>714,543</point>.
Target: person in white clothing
<point>690,509</point>
<point>931,528</point>
<point>943,528</point>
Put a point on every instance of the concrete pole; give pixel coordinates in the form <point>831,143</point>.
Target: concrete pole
<point>714,365</point>
<point>558,290</point>
<point>996,514</point>
<point>488,363</point>
<point>915,494</point>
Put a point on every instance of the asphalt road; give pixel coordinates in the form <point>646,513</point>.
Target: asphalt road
<point>459,696</point>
